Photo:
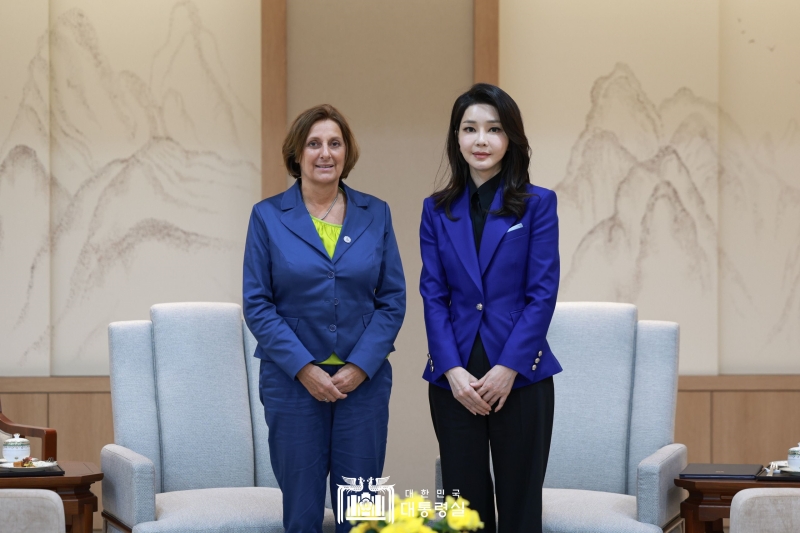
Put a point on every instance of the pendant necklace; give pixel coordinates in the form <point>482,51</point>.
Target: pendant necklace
<point>329,209</point>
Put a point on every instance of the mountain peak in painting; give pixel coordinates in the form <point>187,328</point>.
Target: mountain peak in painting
<point>639,226</point>
<point>189,81</point>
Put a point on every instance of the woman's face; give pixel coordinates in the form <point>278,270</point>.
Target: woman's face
<point>322,160</point>
<point>482,141</point>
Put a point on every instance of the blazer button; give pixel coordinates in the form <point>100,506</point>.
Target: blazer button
<point>540,353</point>
<point>537,361</point>
<point>332,327</point>
<point>330,275</point>
<point>479,307</point>
<point>347,239</point>
<point>533,367</point>
<point>336,301</point>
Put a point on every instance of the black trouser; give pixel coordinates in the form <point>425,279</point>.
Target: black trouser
<point>518,438</point>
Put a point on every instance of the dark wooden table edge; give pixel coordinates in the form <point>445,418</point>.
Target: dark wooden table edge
<point>54,482</point>
<point>710,500</point>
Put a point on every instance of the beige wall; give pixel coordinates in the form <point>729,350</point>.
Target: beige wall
<point>394,69</point>
<point>670,131</point>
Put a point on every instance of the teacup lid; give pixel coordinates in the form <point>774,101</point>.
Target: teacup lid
<point>795,450</point>
<point>17,441</point>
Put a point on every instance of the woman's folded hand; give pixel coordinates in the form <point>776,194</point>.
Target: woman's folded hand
<point>460,381</point>
<point>347,378</point>
<point>495,386</point>
<point>319,384</point>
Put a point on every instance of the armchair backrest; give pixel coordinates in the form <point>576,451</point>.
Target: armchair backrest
<point>184,392</point>
<point>615,399</point>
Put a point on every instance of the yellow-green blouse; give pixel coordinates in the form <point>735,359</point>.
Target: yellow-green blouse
<point>329,233</point>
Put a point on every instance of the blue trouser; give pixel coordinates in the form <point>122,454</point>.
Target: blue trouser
<point>308,439</point>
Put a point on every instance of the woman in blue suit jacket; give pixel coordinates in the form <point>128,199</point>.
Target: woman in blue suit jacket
<point>489,282</point>
<point>324,296</point>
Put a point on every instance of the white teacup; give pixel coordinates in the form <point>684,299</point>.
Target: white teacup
<point>16,449</point>
<point>794,457</point>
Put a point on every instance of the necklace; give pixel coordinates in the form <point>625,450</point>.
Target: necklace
<point>329,209</point>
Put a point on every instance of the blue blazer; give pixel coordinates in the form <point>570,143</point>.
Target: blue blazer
<point>301,305</point>
<point>507,292</point>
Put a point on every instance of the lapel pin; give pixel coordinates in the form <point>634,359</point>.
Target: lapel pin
<point>347,239</point>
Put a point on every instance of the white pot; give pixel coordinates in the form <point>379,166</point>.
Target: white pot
<point>794,457</point>
<point>16,449</point>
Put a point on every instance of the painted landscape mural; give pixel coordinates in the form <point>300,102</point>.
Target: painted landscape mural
<point>647,189</point>
<point>120,189</point>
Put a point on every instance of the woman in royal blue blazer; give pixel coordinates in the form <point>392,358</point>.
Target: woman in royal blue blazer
<point>324,296</point>
<point>489,282</point>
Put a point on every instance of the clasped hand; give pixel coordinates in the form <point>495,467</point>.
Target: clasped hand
<point>327,388</point>
<point>479,395</point>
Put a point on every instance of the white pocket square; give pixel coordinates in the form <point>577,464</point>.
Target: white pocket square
<point>512,228</point>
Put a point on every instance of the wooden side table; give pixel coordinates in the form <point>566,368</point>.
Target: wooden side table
<point>709,500</point>
<point>73,487</point>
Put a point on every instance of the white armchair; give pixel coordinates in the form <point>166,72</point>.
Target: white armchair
<point>767,510</point>
<point>612,457</point>
<point>191,450</point>
<point>31,511</point>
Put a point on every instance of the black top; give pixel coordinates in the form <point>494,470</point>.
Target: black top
<point>480,202</point>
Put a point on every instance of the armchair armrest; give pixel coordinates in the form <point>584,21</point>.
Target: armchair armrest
<point>776,510</point>
<point>48,435</point>
<point>129,485</point>
<point>657,498</point>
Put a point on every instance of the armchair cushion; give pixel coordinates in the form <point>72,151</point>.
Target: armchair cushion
<point>201,383</point>
<point>773,510</point>
<point>129,485</point>
<point>224,510</point>
<point>31,511</point>
<point>658,499</point>
<point>588,511</point>
<point>595,343</point>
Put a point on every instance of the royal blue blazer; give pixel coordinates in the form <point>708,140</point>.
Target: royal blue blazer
<point>507,292</point>
<point>302,305</point>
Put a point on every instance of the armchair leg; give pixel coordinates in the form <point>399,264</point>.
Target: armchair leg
<point>108,517</point>
<point>675,526</point>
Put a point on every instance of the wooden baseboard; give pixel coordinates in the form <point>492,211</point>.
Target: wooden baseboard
<point>737,419</point>
<point>31,385</point>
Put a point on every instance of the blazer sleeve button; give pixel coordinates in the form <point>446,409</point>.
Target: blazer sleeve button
<point>479,307</point>
<point>533,367</point>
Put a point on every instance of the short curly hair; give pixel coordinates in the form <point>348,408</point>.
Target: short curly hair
<point>296,138</point>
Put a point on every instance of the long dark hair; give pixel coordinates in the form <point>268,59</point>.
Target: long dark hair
<point>515,162</point>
